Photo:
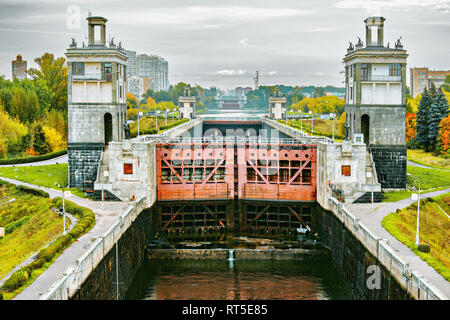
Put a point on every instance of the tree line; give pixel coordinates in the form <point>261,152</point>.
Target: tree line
<point>432,122</point>
<point>33,112</point>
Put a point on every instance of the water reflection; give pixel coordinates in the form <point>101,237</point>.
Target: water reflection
<point>247,279</point>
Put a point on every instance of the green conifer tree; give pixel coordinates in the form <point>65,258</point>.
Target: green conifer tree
<point>422,119</point>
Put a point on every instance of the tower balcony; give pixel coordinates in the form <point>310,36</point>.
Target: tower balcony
<point>381,78</point>
<point>93,76</point>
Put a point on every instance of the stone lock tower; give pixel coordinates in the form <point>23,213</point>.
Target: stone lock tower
<point>375,102</point>
<point>186,105</point>
<point>96,101</point>
<point>277,106</point>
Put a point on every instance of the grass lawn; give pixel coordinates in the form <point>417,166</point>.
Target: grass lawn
<point>46,176</point>
<point>430,180</point>
<point>31,224</point>
<point>148,123</point>
<point>434,230</point>
<point>320,127</point>
<point>428,159</point>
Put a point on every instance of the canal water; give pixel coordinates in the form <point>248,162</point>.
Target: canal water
<point>313,278</point>
<point>240,279</point>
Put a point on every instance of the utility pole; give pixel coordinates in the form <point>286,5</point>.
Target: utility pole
<point>64,211</point>
<point>156,120</point>
<point>418,210</point>
<point>333,135</point>
<point>139,112</point>
<point>256,79</point>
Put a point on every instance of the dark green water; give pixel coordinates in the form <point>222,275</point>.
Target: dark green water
<point>238,279</point>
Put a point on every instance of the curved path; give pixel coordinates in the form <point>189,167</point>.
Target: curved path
<point>73,222</point>
<point>373,222</point>
<point>105,219</point>
<point>413,164</point>
<point>60,159</point>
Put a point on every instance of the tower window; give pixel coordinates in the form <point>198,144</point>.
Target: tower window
<point>364,72</point>
<point>394,69</point>
<point>107,71</point>
<point>78,68</point>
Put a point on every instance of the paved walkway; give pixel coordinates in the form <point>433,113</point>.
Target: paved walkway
<point>105,218</point>
<point>60,159</point>
<point>413,164</point>
<point>373,222</point>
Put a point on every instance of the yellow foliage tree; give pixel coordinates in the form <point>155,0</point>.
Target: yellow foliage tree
<point>54,138</point>
<point>151,103</point>
<point>132,114</point>
<point>10,130</point>
<point>341,124</point>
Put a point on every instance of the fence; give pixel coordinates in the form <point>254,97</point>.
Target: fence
<point>75,276</point>
<point>412,281</point>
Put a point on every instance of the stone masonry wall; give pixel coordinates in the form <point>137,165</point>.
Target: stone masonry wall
<point>351,258</point>
<point>390,162</point>
<point>101,283</point>
<point>83,163</point>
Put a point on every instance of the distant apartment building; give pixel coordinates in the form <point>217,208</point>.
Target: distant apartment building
<point>19,68</point>
<point>135,86</point>
<point>422,78</point>
<point>153,71</point>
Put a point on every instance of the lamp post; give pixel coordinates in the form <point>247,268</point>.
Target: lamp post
<point>139,112</point>
<point>418,210</point>
<point>312,123</point>
<point>156,120</point>
<point>333,125</point>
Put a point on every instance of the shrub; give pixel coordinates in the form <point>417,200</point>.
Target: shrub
<point>86,221</point>
<point>424,247</point>
<point>16,224</point>
<point>36,192</point>
<point>17,279</point>
<point>33,159</point>
<point>45,254</point>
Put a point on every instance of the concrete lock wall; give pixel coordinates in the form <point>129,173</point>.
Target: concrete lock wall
<point>92,270</point>
<point>127,170</point>
<point>365,259</point>
<point>120,264</point>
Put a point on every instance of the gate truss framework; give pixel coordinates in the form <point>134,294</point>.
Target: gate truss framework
<point>251,216</point>
<point>228,170</point>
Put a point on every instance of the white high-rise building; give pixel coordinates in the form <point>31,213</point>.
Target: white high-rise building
<point>152,69</point>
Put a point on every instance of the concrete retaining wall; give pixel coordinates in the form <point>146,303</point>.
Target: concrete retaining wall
<point>238,254</point>
<point>75,277</point>
<point>354,248</point>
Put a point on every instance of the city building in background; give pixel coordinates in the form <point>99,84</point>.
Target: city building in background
<point>153,71</point>
<point>135,86</point>
<point>422,78</point>
<point>19,68</point>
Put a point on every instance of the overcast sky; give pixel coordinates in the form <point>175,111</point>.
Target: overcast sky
<point>223,42</point>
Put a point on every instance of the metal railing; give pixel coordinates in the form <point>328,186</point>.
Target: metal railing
<point>412,281</point>
<point>226,140</point>
<point>75,276</point>
<point>93,76</point>
<point>381,78</point>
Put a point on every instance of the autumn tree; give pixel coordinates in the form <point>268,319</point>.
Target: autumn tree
<point>443,146</point>
<point>54,73</point>
<point>410,126</point>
